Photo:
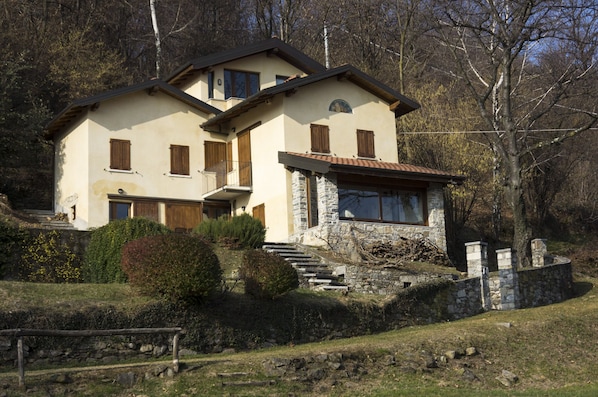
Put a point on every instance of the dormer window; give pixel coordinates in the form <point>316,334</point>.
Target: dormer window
<point>240,84</point>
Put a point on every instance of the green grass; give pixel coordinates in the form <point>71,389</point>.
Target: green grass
<point>553,350</point>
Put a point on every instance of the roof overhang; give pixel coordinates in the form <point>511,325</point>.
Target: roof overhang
<point>397,102</point>
<point>81,106</point>
<point>323,164</point>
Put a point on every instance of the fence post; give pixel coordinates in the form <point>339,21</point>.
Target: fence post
<point>539,253</point>
<point>175,352</point>
<point>477,266</point>
<point>21,361</point>
<point>509,281</point>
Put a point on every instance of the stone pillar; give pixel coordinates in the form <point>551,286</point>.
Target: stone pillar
<point>299,201</point>
<point>327,200</point>
<point>477,266</point>
<point>509,282</point>
<point>539,253</point>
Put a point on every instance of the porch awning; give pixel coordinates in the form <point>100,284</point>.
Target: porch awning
<point>324,164</point>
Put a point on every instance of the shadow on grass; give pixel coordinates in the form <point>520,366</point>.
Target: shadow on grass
<point>580,288</point>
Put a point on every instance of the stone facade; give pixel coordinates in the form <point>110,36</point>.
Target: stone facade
<point>342,235</point>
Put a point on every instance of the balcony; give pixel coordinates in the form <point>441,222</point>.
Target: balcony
<point>226,180</point>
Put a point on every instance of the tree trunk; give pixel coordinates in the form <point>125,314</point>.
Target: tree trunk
<point>521,232</point>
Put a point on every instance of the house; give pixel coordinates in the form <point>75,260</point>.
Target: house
<point>262,129</point>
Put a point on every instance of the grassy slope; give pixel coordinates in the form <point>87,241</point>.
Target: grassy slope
<point>552,349</point>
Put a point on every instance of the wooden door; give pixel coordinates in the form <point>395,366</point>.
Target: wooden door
<point>215,158</point>
<point>244,141</point>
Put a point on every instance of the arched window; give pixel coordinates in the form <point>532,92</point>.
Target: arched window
<point>340,106</point>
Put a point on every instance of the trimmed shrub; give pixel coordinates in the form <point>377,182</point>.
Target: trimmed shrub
<point>178,267</point>
<point>267,275</point>
<point>47,259</point>
<point>244,230</point>
<point>103,255</point>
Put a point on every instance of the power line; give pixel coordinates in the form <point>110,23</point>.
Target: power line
<point>489,132</point>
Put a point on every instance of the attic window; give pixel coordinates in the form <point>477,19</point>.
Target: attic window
<point>340,106</point>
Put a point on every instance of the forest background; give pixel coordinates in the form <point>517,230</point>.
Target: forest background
<point>508,89</point>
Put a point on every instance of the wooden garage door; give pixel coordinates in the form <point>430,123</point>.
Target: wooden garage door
<point>183,217</point>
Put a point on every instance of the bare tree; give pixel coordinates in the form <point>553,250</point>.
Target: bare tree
<point>496,46</point>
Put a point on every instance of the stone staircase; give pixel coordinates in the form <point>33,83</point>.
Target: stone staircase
<point>47,220</point>
<point>313,272</point>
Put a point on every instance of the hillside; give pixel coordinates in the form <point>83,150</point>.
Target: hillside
<point>548,351</point>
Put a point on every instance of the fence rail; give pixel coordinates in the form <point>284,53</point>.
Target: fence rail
<point>20,333</point>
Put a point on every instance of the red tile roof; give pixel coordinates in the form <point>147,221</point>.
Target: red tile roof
<point>356,163</point>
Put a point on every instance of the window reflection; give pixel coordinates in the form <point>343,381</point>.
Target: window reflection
<point>386,205</point>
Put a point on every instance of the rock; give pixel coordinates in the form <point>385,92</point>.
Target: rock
<point>505,325</point>
<point>471,351</point>
<point>429,360</point>
<point>315,374</point>
<point>126,379</point>
<point>507,378</point>
<point>146,348</point>
<point>159,351</point>
<point>451,354</point>
<point>61,378</point>
<point>187,352</point>
<point>229,351</point>
<point>468,375</point>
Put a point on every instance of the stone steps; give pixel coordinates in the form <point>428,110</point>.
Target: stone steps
<point>315,273</point>
<point>47,219</point>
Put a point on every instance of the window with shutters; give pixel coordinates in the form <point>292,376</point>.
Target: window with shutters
<point>120,154</point>
<point>320,138</point>
<point>179,160</point>
<point>365,144</point>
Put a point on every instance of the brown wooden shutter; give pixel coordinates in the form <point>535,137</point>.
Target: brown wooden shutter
<point>183,217</point>
<point>120,154</point>
<point>146,209</point>
<point>244,142</point>
<point>365,143</point>
<point>215,153</point>
<point>179,160</point>
<point>259,212</point>
<point>320,138</point>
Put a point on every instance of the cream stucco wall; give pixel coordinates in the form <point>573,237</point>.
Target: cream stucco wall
<point>71,174</point>
<point>285,126</point>
<point>310,105</point>
<point>268,68</point>
<point>151,124</point>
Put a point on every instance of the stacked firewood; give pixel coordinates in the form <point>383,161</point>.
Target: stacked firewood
<point>406,250</point>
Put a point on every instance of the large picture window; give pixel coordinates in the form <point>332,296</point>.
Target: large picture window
<point>370,203</point>
<point>240,84</point>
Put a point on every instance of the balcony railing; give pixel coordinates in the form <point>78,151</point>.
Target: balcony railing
<point>226,180</point>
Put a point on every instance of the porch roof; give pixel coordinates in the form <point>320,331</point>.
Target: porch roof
<point>324,164</point>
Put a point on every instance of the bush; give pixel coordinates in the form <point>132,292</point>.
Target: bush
<point>179,267</point>
<point>244,230</point>
<point>11,239</point>
<point>267,275</point>
<point>46,259</point>
<point>103,255</point>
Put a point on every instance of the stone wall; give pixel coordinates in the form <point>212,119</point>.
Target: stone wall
<point>550,280</point>
<point>385,281</point>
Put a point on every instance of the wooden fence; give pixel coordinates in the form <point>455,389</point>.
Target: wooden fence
<point>20,333</point>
